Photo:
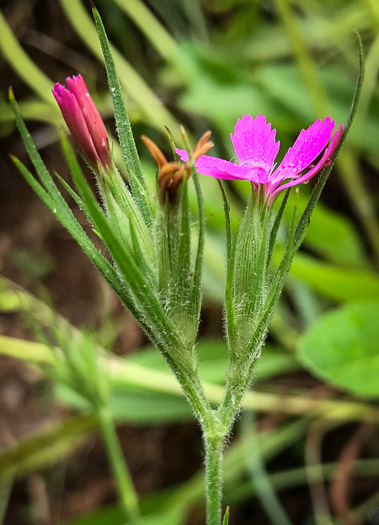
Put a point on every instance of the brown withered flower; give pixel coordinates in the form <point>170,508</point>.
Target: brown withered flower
<point>171,174</point>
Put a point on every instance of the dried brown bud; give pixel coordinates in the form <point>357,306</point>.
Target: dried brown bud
<point>171,174</point>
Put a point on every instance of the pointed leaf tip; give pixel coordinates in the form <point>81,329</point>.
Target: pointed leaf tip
<point>225,521</point>
<point>10,93</point>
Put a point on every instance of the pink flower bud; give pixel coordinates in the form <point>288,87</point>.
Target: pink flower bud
<point>83,120</point>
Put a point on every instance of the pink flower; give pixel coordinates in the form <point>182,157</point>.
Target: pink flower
<point>83,120</point>
<point>256,149</point>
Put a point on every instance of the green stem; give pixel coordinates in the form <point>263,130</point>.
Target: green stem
<point>127,493</point>
<point>213,477</point>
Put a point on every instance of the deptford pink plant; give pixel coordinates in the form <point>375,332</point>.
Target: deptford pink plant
<point>256,149</point>
<point>150,263</point>
<point>83,120</point>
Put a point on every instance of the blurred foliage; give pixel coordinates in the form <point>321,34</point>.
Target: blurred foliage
<point>204,64</point>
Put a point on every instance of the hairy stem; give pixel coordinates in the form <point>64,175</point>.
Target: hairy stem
<point>213,476</point>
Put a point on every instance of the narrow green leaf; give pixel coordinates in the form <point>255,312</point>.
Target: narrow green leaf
<point>162,234</point>
<point>128,208</point>
<point>124,130</point>
<point>164,330</point>
<point>259,477</point>
<point>100,223</point>
<point>75,196</point>
<point>35,157</point>
<point>65,216</point>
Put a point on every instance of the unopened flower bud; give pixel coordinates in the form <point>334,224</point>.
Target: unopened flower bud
<point>83,120</point>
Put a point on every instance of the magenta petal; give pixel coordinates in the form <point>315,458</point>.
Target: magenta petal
<point>215,167</point>
<point>308,145</point>
<point>324,161</point>
<point>254,142</point>
<point>221,169</point>
<point>183,155</point>
<point>76,123</point>
<point>57,92</point>
<point>95,124</point>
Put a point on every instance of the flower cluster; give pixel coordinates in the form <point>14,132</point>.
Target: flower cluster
<point>254,143</point>
<point>256,148</point>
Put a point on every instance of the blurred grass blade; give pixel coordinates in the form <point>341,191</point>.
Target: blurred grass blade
<point>44,447</point>
<point>136,88</point>
<point>259,477</point>
<point>5,492</point>
<point>23,65</point>
<point>225,521</point>
<point>28,351</point>
<point>150,26</point>
<point>316,193</point>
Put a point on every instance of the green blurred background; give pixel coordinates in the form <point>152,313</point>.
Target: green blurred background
<point>312,453</point>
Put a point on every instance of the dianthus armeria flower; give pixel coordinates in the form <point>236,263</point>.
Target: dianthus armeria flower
<point>256,148</point>
<point>83,120</point>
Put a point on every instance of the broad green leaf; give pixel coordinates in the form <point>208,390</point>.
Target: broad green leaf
<point>337,283</point>
<point>342,347</point>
